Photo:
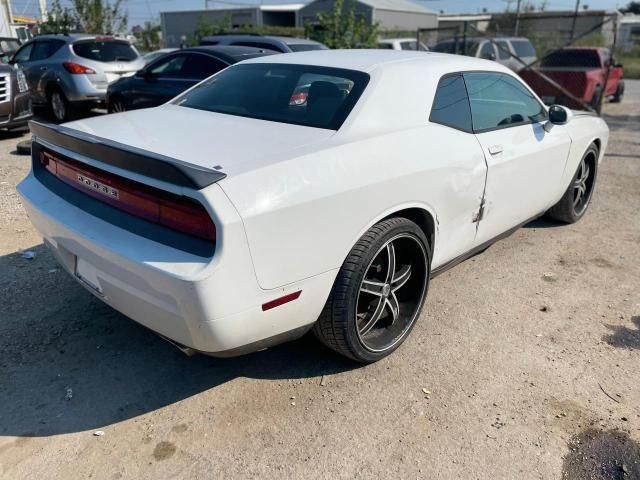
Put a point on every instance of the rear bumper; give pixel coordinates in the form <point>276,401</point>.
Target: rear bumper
<point>212,305</point>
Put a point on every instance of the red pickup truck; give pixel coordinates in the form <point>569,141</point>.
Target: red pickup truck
<point>581,71</point>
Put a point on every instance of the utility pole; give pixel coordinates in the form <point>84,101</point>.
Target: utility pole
<point>517,27</point>
<point>42,4</point>
<point>575,18</point>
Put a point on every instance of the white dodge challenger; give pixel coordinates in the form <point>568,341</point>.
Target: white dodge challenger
<point>310,190</point>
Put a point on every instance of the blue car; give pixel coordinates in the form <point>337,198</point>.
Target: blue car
<point>173,73</point>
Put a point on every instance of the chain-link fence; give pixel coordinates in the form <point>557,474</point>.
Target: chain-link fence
<point>567,59</point>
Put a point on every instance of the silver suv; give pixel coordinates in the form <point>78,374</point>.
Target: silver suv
<point>71,72</point>
<point>501,49</point>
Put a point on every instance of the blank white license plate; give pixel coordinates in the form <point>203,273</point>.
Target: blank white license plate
<point>88,274</point>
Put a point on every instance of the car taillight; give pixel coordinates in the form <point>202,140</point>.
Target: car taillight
<point>77,69</point>
<point>298,99</point>
<point>172,211</point>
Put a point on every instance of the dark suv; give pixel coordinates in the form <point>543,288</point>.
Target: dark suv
<point>277,44</point>
<point>15,101</point>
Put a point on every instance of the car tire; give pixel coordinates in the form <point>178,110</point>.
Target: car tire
<point>576,199</point>
<point>59,106</point>
<point>617,97</point>
<point>596,97</point>
<point>117,105</point>
<point>379,292</point>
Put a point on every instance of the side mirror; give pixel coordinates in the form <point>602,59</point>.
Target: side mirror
<point>144,73</point>
<point>492,56</point>
<point>558,115</point>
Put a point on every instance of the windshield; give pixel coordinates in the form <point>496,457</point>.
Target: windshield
<point>105,50</point>
<point>523,48</point>
<point>572,58</point>
<point>306,95</point>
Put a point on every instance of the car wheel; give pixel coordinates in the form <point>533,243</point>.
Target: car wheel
<point>617,97</point>
<point>117,105</point>
<point>595,99</point>
<point>59,106</point>
<point>575,201</point>
<point>378,293</point>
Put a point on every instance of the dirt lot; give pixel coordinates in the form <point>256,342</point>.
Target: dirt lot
<point>530,353</point>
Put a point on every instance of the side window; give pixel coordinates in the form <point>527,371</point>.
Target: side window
<point>451,104</point>
<point>23,54</point>
<point>54,46</point>
<point>487,51</point>
<point>498,100</point>
<point>40,51</point>
<point>503,50</point>
<point>409,45</point>
<point>168,66</point>
<point>199,66</point>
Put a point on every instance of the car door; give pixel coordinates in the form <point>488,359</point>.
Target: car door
<point>464,169</point>
<point>159,82</point>
<point>169,76</point>
<point>525,161</point>
<point>41,71</point>
<point>21,59</point>
<point>487,51</point>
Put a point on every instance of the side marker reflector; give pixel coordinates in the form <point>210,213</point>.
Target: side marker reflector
<point>281,301</point>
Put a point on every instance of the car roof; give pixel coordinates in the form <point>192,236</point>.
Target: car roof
<point>286,40</point>
<point>74,37</point>
<point>231,53</point>
<point>479,39</point>
<point>368,60</point>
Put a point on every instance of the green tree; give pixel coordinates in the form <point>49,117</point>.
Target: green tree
<point>59,20</point>
<point>100,16</point>
<point>207,27</point>
<point>632,7</point>
<point>341,28</point>
<point>90,16</point>
<point>149,38</point>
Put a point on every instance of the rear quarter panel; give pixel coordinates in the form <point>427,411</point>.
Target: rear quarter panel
<point>302,216</point>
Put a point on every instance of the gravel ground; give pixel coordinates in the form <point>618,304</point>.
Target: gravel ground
<point>529,353</point>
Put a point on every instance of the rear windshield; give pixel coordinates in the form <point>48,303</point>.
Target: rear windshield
<point>572,58</point>
<point>304,47</point>
<point>523,48</point>
<point>298,94</point>
<point>105,50</point>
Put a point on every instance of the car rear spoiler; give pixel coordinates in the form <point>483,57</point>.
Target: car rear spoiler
<point>129,158</point>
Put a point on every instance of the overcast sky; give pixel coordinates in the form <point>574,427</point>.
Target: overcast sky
<point>143,10</point>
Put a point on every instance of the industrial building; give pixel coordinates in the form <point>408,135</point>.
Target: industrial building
<point>401,15</point>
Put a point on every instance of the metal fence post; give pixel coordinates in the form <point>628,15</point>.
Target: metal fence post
<point>609,67</point>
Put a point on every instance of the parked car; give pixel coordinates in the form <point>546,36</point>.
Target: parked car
<point>401,44</point>
<point>71,72</point>
<point>172,74</point>
<point>277,44</point>
<point>8,46</point>
<point>151,56</point>
<point>15,101</point>
<point>501,49</point>
<point>582,71</point>
<point>228,220</point>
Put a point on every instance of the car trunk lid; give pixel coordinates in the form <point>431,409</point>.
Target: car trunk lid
<point>204,140</point>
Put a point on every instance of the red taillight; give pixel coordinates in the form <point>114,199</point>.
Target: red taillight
<point>151,204</point>
<point>77,69</point>
<point>298,99</point>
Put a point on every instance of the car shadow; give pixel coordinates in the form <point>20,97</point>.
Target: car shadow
<point>624,337</point>
<point>70,363</point>
<point>542,222</point>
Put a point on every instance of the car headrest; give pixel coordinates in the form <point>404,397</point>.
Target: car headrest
<point>322,90</point>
